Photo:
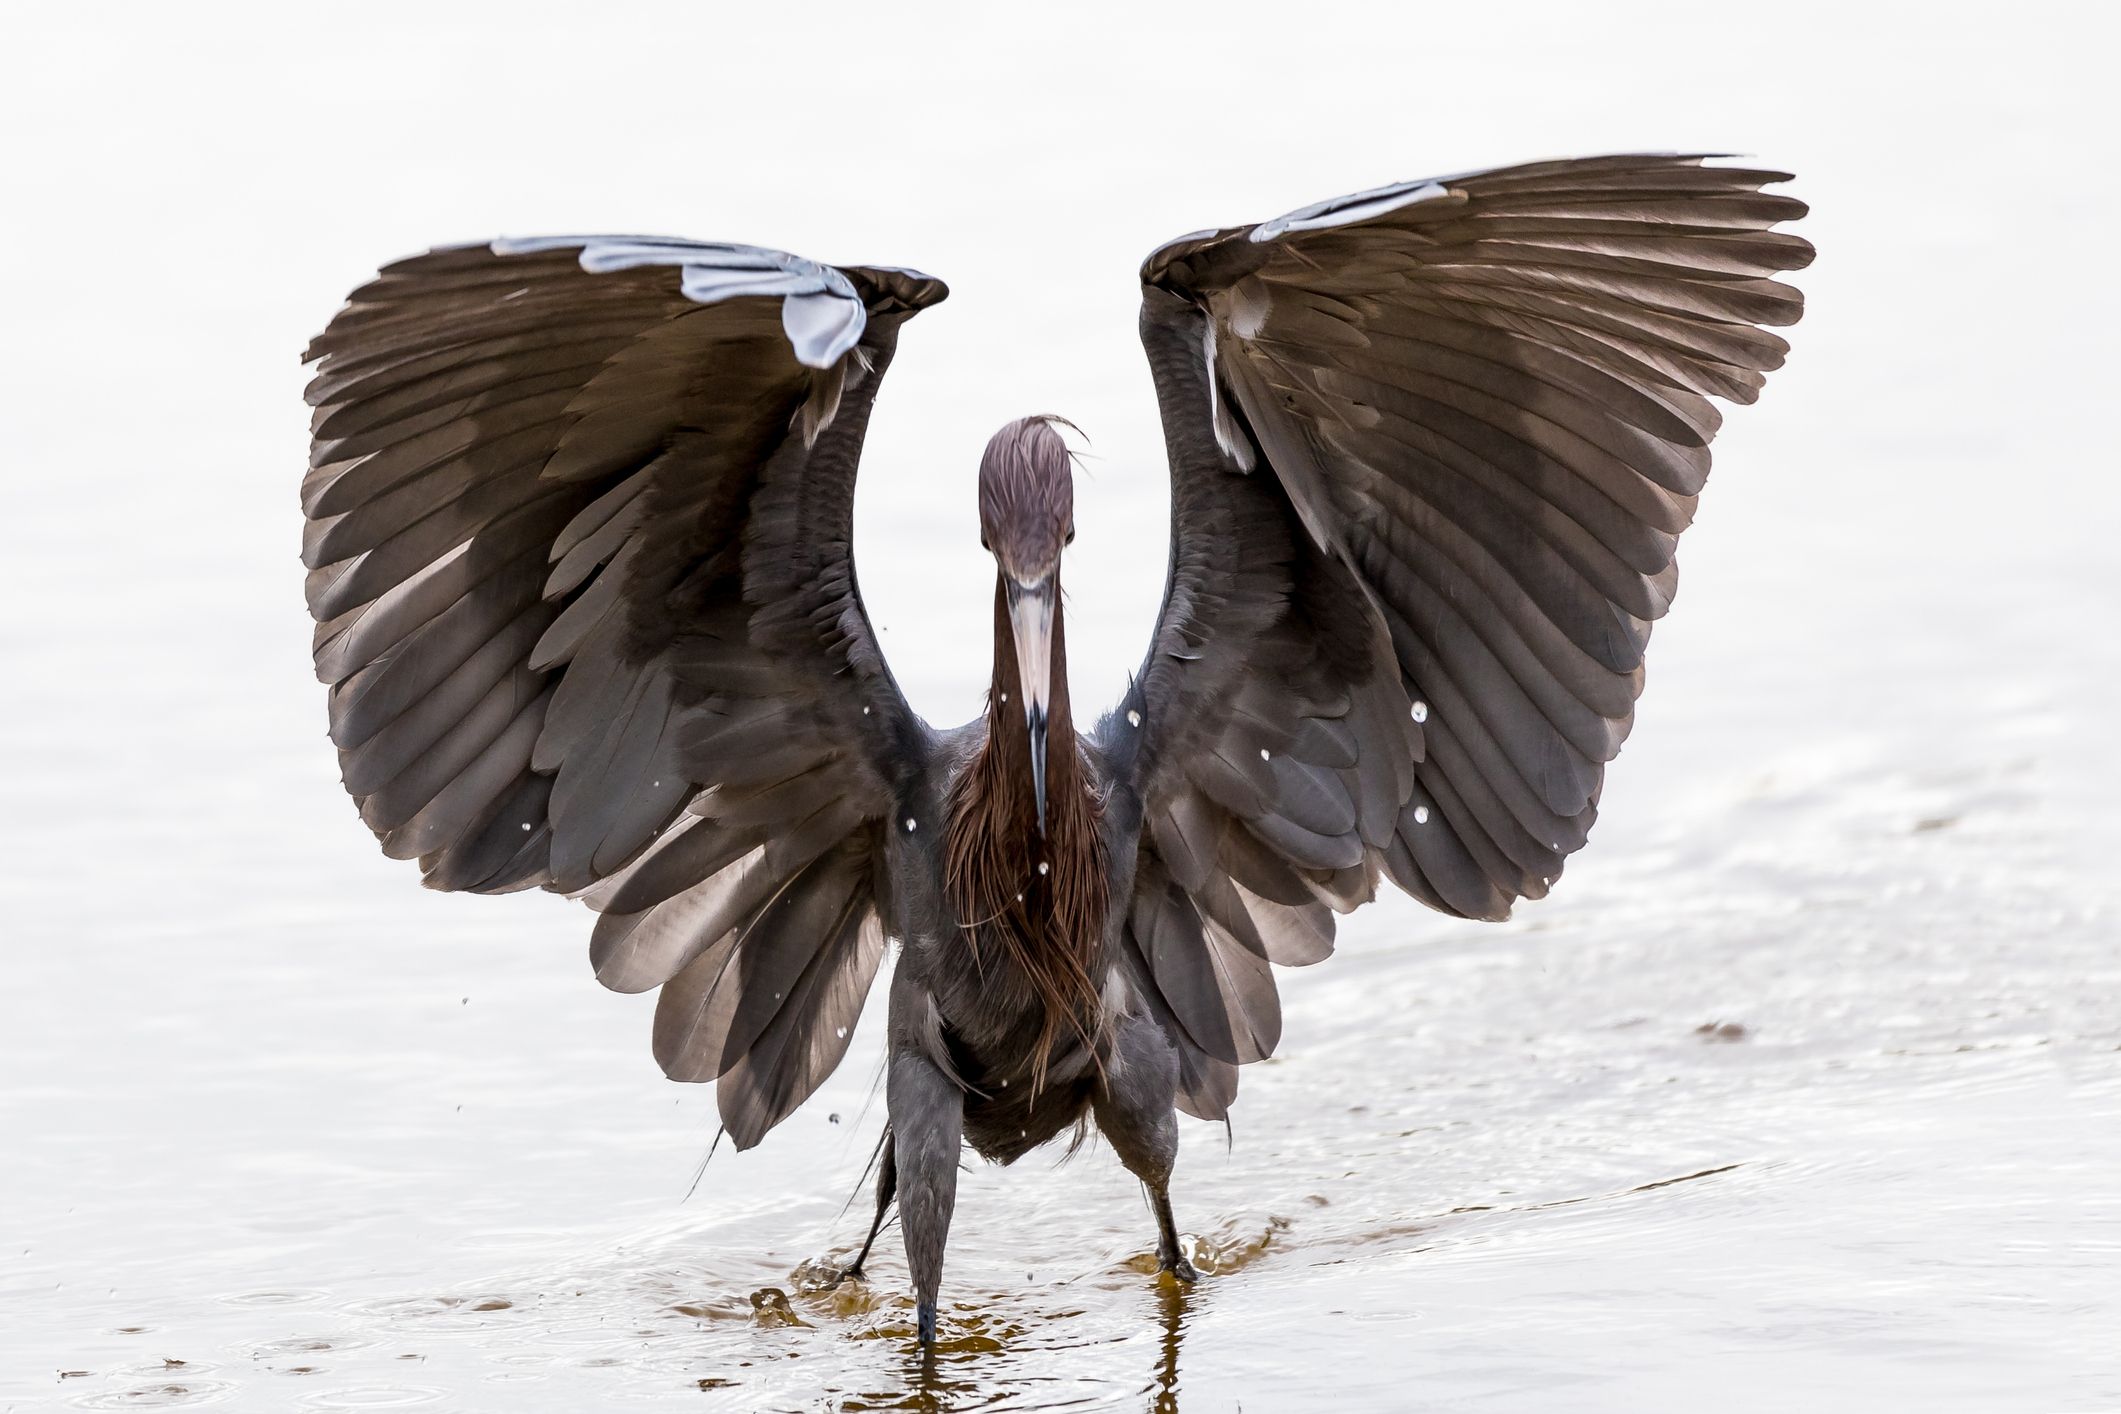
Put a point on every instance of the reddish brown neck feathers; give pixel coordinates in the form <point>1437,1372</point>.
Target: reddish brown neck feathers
<point>1047,926</point>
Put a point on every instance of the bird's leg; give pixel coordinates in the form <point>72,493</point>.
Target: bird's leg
<point>886,1188</point>
<point>1170,1257</point>
<point>927,1129</point>
<point>1136,1110</point>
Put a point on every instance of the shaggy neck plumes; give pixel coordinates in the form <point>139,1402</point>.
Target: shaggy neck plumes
<point>1032,904</point>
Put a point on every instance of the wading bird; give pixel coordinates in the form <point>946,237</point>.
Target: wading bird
<point>579,531</point>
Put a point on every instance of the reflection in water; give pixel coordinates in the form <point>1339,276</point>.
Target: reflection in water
<point>933,1382</point>
<point>968,1369</point>
<point>1173,1299</point>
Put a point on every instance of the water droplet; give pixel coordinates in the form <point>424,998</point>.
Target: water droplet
<point>526,824</point>
<point>911,824</point>
<point>1044,868</point>
<point>1023,1134</point>
<point>865,711</point>
<point>1134,718</point>
<point>1005,697</point>
<point>1421,814</point>
<point>1005,1084</point>
<point>1420,711</point>
<point>842,1034</point>
<point>1019,899</point>
<point>1265,755</point>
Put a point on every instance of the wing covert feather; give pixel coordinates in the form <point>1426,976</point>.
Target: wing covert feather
<point>1448,432</point>
<point>579,523</point>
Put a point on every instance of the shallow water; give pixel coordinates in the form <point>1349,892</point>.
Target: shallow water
<point>1804,1089</point>
<point>1842,1122</point>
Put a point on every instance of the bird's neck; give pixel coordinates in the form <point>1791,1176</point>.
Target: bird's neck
<point>1049,921</point>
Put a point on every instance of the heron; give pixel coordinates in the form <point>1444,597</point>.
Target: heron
<point>579,525</point>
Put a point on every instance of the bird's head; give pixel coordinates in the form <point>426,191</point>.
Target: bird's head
<point>1026,516</point>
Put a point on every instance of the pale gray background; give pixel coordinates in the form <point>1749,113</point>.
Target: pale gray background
<point>269,1110</point>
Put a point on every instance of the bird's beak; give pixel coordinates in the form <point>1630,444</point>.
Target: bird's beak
<point>1031,624</point>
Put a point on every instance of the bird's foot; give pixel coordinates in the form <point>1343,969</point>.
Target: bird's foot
<point>926,1313</point>
<point>845,1275</point>
<point>1176,1264</point>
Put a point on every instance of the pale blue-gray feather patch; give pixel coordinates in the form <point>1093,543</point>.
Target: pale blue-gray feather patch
<point>820,311</point>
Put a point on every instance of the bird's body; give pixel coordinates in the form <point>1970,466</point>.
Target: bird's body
<point>989,984</point>
<point>580,531</point>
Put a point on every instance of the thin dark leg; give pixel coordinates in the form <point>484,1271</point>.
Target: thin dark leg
<point>1136,1111</point>
<point>1170,1257</point>
<point>886,1189</point>
<point>927,1130</point>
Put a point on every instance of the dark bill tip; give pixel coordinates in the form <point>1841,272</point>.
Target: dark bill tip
<point>1035,720</point>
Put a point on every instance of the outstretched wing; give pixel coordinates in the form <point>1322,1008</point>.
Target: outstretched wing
<point>579,529</point>
<point>1431,447</point>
